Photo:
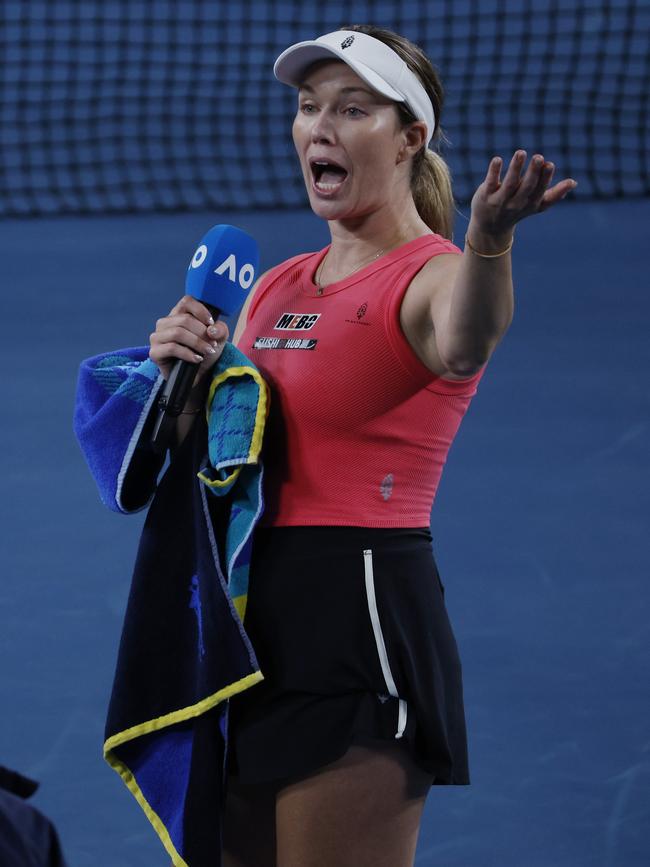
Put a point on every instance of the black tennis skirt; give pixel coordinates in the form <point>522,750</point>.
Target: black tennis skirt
<point>351,632</point>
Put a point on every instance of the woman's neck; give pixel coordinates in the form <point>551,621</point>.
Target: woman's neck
<point>374,234</point>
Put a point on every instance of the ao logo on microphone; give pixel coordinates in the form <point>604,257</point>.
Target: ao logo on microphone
<point>244,275</point>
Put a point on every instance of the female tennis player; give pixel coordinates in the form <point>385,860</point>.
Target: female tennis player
<point>373,349</point>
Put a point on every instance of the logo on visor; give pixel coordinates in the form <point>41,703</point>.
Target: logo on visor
<point>347,42</point>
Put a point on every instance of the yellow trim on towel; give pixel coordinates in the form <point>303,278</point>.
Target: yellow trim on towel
<point>220,483</point>
<point>260,415</point>
<point>183,714</point>
<point>155,725</point>
<point>154,818</point>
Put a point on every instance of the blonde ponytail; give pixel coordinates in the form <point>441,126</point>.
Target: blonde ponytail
<point>432,192</point>
<point>430,175</point>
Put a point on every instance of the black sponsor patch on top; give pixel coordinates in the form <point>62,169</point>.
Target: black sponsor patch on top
<point>284,343</point>
<point>297,321</point>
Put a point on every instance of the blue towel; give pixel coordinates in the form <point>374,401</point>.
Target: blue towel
<point>184,650</point>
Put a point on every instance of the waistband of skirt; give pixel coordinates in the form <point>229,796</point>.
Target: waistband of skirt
<point>305,540</point>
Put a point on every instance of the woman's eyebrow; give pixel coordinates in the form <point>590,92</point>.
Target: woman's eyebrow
<point>344,90</point>
<point>360,89</point>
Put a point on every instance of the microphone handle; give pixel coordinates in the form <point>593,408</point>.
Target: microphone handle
<point>173,397</point>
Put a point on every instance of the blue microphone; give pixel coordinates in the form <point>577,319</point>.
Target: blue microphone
<point>221,271</point>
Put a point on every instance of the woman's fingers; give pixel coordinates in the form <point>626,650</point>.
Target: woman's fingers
<point>523,191</point>
<point>532,183</point>
<point>184,336</point>
<point>492,178</point>
<point>512,177</point>
<point>188,304</point>
<point>527,185</point>
<point>498,207</point>
<point>557,192</point>
<point>534,178</point>
<point>543,180</point>
<point>534,188</point>
<point>186,328</point>
<point>187,333</point>
<point>167,352</point>
<point>188,322</point>
<point>183,322</point>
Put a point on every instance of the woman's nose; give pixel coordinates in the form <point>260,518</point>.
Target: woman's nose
<point>323,128</point>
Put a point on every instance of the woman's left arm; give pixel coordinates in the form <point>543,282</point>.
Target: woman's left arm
<point>472,312</point>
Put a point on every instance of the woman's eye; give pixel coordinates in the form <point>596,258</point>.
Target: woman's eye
<point>353,111</point>
<point>307,108</point>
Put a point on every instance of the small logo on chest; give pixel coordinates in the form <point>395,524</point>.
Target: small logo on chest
<point>361,312</point>
<point>297,321</point>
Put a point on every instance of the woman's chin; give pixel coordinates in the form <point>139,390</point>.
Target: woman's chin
<point>329,208</point>
<point>326,211</point>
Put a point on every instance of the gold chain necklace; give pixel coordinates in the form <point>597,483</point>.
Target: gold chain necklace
<point>363,262</point>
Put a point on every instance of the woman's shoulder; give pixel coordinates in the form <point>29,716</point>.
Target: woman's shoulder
<point>439,246</point>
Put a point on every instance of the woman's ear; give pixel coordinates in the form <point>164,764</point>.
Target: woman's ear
<point>414,139</point>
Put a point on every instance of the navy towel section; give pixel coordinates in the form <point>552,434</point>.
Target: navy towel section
<point>184,650</point>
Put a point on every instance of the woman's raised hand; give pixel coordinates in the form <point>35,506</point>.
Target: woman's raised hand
<point>497,205</point>
<point>190,333</point>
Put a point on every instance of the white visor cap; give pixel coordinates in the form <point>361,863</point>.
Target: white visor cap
<point>372,60</point>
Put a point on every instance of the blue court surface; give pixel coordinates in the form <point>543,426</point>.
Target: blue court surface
<point>540,530</point>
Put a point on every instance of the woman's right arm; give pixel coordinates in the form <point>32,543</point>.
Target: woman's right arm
<point>189,332</point>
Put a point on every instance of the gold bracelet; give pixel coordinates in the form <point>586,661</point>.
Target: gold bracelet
<point>490,255</point>
<point>191,411</point>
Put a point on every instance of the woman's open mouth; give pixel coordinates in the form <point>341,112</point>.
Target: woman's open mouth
<point>327,176</point>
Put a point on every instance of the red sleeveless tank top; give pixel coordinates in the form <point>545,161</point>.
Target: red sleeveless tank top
<point>359,428</point>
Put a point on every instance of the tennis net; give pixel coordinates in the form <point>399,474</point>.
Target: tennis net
<point>171,105</point>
